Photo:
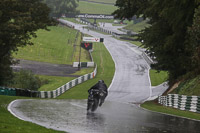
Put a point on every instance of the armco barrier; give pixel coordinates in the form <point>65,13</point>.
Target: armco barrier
<point>67,86</point>
<point>182,102</point>
<point>48,94</point>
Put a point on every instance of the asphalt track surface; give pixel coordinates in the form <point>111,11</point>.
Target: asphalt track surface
<point>42,68</point>
<point>120,113</point>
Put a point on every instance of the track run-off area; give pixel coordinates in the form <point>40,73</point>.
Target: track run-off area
<point>121,112</point>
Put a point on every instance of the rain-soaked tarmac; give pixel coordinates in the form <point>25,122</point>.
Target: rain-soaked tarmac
<point>112,117</point>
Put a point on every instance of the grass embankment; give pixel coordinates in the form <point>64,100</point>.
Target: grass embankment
<point>95,8</point>
<point>11,124</point>
<point>137,27</point>
<point>158,78</point>
<point>54,46</point>
<point>104,1</point>
<point>54,82</point>
<point>189,87</point>
<point>105,71</point>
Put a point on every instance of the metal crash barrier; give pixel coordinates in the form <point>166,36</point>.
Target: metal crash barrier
<point>182,102</point>
<point>18,92</point>
<point>48,94</point>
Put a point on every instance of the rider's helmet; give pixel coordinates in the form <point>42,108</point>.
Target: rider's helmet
<point>100,81</point>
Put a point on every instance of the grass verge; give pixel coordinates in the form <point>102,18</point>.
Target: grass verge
<point>154,106</point>
<point>189,87</point>
<point>104,1</point>
<point>105,71</point>
<point>11,124</point>
<point>158,78</point>
<point>137,27</point>
<point>54,82</point>
<point>94,8</point>
<point>54,46</point>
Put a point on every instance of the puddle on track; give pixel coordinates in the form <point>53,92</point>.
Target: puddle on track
<point>112,117</point>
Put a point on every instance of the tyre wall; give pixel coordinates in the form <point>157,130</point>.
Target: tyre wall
<point>182,102</point>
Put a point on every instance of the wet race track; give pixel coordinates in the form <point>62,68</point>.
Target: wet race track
<point>112,117</point>
<point>120,113</point>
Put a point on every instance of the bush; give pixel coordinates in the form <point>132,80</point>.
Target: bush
<point>27,80</point>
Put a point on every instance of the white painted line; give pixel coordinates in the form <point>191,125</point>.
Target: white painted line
<point>77,105</point>
<point>115,67</point>
<point>9,109</point>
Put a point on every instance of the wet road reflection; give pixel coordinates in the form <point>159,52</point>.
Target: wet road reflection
<point>112,117</point>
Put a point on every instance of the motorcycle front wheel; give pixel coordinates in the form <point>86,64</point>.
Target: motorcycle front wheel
<point>89,104</point>
<point>95,105</point>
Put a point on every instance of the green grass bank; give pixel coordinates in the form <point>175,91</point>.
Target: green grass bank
<point>95,8</point>
<point>104,1</point>
<point>54,46</point>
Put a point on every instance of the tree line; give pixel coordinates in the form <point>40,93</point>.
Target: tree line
<point>174,35</point>
<point>19,20</point>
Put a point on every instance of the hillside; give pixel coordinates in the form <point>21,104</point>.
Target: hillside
<point>188,87</point>
<point>95,8</point>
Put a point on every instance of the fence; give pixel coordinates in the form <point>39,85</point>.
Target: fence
<point>67,86</point>
<point>48,94</point>
<point>100,29</point>
<point>182,102</point>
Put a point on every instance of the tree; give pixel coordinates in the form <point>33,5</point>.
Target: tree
<point>194,32</point>
<point>167,37</point>
<point>60,7</point>
<point>19,21</point>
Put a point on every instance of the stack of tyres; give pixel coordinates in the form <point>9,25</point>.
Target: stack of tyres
<point>27,93</point>
<point>18,92</point>
<point>7,91</point>
<point>35,94</point>
<point>11,91</point>
<point>23,92</point>
<point>2,91</point>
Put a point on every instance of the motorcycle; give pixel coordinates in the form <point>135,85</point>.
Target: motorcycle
<point>95,99</point>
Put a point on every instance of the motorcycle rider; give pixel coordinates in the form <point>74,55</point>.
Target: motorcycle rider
<point>102,87</point>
